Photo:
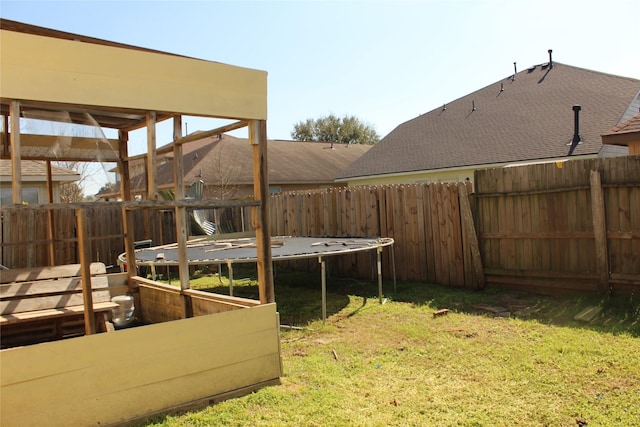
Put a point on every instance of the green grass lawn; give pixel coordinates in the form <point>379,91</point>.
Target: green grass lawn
<point>395,364</point>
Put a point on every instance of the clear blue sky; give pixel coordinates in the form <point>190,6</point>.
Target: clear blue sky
<point>385,62</point>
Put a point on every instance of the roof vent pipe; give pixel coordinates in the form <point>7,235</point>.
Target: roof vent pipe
<point>550,60</point>
<point>576,121</point>
<point>515,71</point>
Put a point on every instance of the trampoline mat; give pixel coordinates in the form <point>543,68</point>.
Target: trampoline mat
<point>208,251</point>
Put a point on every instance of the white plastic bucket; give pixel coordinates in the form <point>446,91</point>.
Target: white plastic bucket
<point>123,314</point>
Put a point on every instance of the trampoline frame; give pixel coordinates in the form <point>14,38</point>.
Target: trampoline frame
<point>243,250</point>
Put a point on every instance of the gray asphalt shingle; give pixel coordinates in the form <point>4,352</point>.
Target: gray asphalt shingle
<point>526,118</point>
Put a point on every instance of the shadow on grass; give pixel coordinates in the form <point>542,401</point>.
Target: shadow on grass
<point>298,294</point>
<point>299,298</point>
<point>618,315</point>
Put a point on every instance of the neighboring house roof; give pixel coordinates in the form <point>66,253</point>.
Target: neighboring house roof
<point>624,132</point>
<point>526,117</point>
<point>228,160</point>
<point>36,171</point>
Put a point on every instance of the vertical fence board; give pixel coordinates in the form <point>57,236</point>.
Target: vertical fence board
<point>421,234</point>
<point>573,252</point>
<point>456,236</point>
<point>634,225</point>
<point>612,206</point>
<point>600,232</point>
<point>428,233</point>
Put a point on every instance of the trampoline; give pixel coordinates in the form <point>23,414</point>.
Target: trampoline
<point>210,251</point>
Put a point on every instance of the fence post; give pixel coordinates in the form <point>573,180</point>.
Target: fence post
<point>599,232</point>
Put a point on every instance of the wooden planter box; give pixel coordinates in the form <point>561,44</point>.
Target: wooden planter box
<point>130,374</point>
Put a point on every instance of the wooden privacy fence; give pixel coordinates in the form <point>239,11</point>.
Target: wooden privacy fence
<point>547,227</point>
<point>565,226</point>
<point>431,243</point>
<point>28,241</point>
<point>552,227</point>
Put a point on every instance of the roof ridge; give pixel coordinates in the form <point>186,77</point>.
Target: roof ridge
<point>598,72</point>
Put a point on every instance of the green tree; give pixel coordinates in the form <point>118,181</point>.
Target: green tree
<point>345,130</point>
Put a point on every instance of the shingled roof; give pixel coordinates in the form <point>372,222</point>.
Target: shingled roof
<point>524,117</point>
<point>229,159</point>
<point>33,170</point>
<point>621,133</point>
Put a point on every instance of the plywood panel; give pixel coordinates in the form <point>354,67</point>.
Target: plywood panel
<point>157,306</point>
<point>89,74</point>
<point>126,374</point>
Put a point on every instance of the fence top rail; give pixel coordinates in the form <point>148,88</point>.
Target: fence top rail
<point>189,204</point>
<point>147,204</point>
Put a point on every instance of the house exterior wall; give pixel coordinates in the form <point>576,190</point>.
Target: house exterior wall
<point>443,175</point>
<point>415,177</point>
<point>244,191</point>
<point>283,188</point>
<point>29,191</point>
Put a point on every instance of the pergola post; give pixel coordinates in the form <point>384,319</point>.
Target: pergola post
<point>16,161</point>
<point>152,184</point>
<point>125,194</point>
<point>181,216</point>
<point>50,226</point>
<point>260,214</point>
<point>84,254</point>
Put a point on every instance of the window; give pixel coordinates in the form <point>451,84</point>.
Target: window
<point>29,195</point>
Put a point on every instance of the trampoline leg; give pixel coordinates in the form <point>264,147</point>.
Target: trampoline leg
<point>393,266</point>
<point>324,288</point>
<point>230,267</point>
<point>379,260</point>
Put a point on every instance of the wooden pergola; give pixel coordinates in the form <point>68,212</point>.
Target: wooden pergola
<point>126,88</point>
<point>195,347</point>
